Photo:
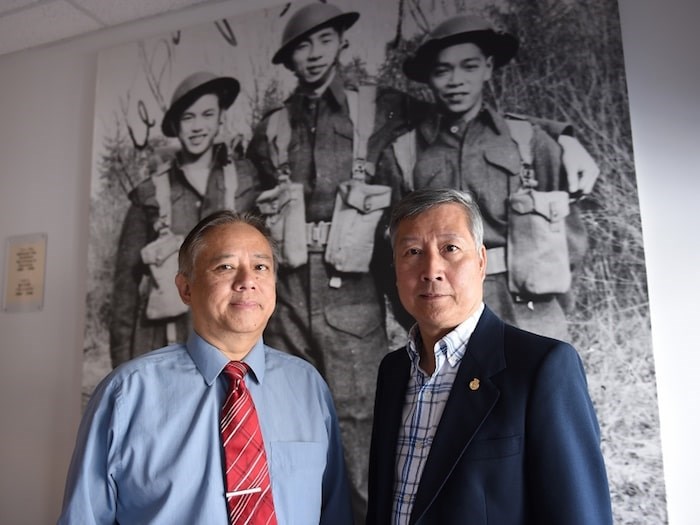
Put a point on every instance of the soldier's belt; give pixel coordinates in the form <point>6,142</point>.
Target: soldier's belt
<point>317,235</point>
<point>496,260</point>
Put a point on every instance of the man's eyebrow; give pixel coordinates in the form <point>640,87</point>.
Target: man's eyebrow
<point>224,256</point>
<point>263,256</point>
<point>219,257</point>
<point>441,237</point>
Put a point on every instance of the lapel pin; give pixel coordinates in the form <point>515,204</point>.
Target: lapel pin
<point>474,384</point>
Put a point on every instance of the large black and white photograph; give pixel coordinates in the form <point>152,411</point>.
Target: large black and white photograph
<point>320,117</point>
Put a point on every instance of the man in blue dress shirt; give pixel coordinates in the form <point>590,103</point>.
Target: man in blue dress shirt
<point>148,448</point>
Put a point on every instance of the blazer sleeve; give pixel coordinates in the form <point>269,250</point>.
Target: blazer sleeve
<point>566,475</point>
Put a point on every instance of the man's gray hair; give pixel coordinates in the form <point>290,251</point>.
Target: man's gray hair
<point>197,237</point>
<point>420,201</point>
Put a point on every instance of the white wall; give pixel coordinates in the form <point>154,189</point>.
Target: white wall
<point>46,101</point>
<point>662,45</point>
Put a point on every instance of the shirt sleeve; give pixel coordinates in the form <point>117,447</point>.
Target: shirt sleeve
<point>335,505</point>
<point>90,493</point>
<point>128,271</point>
<point>566,472</point>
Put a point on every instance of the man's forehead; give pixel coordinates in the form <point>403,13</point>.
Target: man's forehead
<point>461,51</point>
<point>238,234</point>
<point>322,31</point>
<point>443,219</point>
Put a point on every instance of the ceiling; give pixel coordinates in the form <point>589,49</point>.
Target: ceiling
<point>29,23</point>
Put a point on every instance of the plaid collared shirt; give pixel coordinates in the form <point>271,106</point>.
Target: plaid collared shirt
<point>425,401</point>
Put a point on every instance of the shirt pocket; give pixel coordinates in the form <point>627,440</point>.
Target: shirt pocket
<point>433,171</point>
<point>360,320</point>
<point>297,470</point>
<point>505,159</point>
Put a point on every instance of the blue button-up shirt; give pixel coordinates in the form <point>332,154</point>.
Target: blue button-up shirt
<point>149,450</point>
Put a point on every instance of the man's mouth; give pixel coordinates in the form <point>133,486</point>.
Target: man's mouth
<point>432,295</point>
<point>315,70</point>
<point>455,97</point>
<point>197,139</point>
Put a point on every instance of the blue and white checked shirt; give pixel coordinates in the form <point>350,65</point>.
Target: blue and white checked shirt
<point>425,401</point>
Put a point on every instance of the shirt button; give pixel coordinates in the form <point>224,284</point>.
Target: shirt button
<point>313,129</point>
<point>454,129</point>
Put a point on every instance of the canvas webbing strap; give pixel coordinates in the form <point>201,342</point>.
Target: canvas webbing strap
<point>230,185</point>
<point>404,148</point>
<point>279,134</point>
<point>161,182</point>
<point>362,107</point>
<point>521,133</point>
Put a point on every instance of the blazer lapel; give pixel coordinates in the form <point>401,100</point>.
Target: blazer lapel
<point>471,399</point>
<point>390,397</point>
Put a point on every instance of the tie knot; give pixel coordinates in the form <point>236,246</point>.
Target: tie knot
<point>236,370</point>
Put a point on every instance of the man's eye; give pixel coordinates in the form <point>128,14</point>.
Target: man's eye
<point>413,251</point>
<point>451,248</point>
<point>224,267</point>
<point>262,267</point>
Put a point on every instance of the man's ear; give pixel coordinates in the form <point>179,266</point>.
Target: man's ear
<point>183,288</point>
<point>489,65</point>
<point>482,256</point>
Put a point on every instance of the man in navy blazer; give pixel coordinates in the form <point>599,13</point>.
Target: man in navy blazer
<point>475,421</point>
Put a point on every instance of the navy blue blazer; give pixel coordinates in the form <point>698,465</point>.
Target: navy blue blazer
<point>522,448</point>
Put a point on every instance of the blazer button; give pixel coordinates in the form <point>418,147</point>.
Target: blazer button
<point>474,384</point>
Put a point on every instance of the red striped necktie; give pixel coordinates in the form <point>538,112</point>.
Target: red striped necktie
<point>248,490</point>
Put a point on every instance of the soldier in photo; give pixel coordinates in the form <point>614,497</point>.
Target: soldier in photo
<point>183,187</point>
<point>526,174</point>
<point>323,204</point>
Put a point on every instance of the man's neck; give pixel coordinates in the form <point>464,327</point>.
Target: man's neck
<point>196,170</point>
<point>465,117</point>
<point>237,346</point>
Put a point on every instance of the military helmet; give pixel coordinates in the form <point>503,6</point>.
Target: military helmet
<point>193,87</point>
<point>308,19</point>
<point>501,45</point>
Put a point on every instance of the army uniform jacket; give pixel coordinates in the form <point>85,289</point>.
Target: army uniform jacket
<point>339,330</point>
<point>321,147</point>
<point>481,157</point>
<point>131,333</point>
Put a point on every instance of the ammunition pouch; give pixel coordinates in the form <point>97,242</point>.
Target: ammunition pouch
<point>283,208</point>
<point>161,257</point>
<point>358,208</point>
<point>537,250</point>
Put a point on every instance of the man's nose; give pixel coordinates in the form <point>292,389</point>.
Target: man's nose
<point>244,279</point>
<point>433,269</point>
<point>456,78</point>
<point>315,51</point>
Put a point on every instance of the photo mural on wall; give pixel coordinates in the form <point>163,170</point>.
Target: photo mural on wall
<point>557,85</point>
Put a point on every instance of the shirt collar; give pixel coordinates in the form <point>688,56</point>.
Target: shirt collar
<point>336,91</point>
<point>453,344</point>
<point>333,94</point>
<point>219,156</point>
<point>438,121</point>
<point>210,361</point>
